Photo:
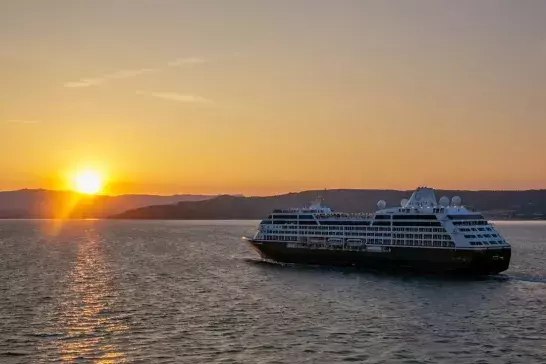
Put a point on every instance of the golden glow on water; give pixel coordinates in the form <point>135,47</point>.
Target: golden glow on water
<point>110,356</point>
<point>86,317</point>
<point>62,212</point>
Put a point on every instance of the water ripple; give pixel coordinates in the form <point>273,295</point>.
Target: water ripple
<point>187,292</point>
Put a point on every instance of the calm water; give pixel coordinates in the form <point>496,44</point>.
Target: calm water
<point>192,292</point>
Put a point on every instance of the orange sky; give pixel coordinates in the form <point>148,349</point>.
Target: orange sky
<point>271,97</point>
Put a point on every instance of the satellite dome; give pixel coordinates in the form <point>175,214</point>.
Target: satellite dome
<point>381,204</point>
<point>444,201</point>
<point>403,202</point>
<point>456,201</point>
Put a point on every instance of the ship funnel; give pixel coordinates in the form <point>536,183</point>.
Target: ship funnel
<point>422,197</point>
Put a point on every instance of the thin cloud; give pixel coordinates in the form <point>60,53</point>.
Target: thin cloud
<point>132,73</point>
<point>174,96</point>
<point>86,82</point>
<point>186,61</point>
<point>129,73</point>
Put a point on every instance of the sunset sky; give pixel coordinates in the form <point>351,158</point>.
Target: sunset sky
<point>263,97</point>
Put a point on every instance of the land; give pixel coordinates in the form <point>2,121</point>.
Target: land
<point>40,203</point>
<point>25,204</point>
<point>522,205</point>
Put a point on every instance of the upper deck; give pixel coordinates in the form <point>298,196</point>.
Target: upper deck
<point>421,205</point>
<point>418,221</point>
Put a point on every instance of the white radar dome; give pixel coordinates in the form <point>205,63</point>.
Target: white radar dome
<point>444,201</point>
<point>403,202</point>
<point>456,201</point>
<point>381,204</point>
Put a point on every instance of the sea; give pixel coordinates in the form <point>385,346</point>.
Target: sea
<point>106,291</point>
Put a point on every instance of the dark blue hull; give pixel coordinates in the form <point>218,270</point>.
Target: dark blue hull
<point>483,261</point>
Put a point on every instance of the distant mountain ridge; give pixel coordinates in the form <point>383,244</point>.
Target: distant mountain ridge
<point>529,204</point>
<point>40,203</point>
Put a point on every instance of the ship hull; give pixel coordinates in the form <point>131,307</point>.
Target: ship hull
<point>483,261</point>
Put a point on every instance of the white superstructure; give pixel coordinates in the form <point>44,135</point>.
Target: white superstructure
<point>419,221</point>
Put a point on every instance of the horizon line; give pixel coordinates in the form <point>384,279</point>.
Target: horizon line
<point>212,195</point>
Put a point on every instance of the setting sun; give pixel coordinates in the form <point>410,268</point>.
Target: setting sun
<point>88,182</point>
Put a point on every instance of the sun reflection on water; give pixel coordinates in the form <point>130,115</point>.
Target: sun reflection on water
<point>88,317</point>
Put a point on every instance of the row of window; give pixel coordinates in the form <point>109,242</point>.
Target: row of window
<point>421,230</point>
<point>434,243</point>
<point>415,217</point>
<point>465,217</point>
<point>382,216</point>
<point>287,222</point>
<point>328,227</point>
<point>344,216</point>
<point>382,223</point>
<point>347,222</point>
<point>304,229</point>
<point>290,217</point>
<point>404,242</point>
<point>468,223</point>
<point>423,236</point>
<point>283,217</point>
<point>369,234</point>
<point>476,229</point>
<point>346,228</point>
<point>279,238</point>
<point>443,244</point>
<point>422,222</point>
<point>341,228</point>
<point>490,242</point>
<point>352,223</point>
<point>372,228</point>
<point>471,236</point>
<point>322,233</point>
<point>416,223</point>
<point>308,222</point>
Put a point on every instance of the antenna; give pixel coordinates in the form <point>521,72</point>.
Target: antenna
<point>320,198</point>
<point>316,203</point>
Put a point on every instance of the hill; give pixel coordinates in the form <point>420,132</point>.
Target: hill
<point>495,204</point>
<point>52,204</point>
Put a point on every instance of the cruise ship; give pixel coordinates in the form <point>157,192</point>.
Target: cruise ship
<point>422,234</point>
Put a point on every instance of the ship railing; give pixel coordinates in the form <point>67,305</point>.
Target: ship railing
<point>344,216</point>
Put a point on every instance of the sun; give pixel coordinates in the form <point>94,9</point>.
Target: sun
<point>88,182</point>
